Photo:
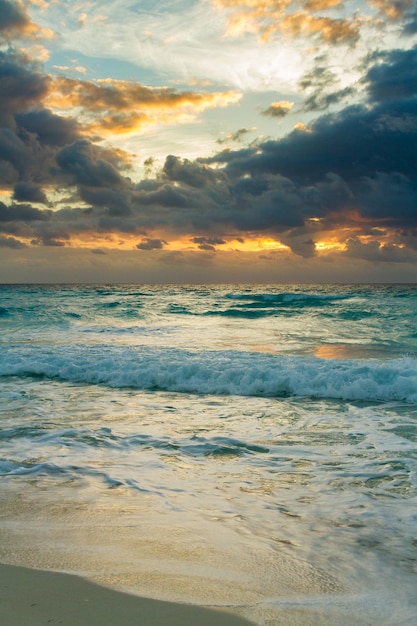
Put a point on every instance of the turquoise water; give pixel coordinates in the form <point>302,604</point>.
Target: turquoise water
<point>245,446</point>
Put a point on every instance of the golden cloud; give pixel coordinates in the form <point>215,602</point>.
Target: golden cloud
<point>392,10</point>
<point>37,52</point>
<point>82,19</point>
<point>114,106</point>
<point>330,30</point>
<point>267,17</point>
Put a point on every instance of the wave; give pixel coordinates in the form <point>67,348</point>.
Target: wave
<point>248,313</point>
<point>129,330</point>
<point>289,298</point>
<point>218,373</point>
<point>258,305</point>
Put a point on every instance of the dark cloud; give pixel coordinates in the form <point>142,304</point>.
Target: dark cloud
<point>14,151</point>
<point>376,251</point>
<point>212,241</point>
<point>48,128</point>
<point>87,165</point>
<point>8,174</point>
<point>151,244</point>
<point>353,143</point>
<point>393,78</point>
<point>21,212</point>
<point>278,109</point>
<point>389,198</point>
<point>11,242</point>
<point>319,77</point>
<point>319,101</point>
<point>22,85</point>
<point>116,202</point>
<point>321,86</point>
<point>48,241</point>
<point>29,134</point>
<point>410,23</point>
<point>188,172</point>
<point>161,194</point>
<point>208,243</point>
<point>12,19</point>
<point>299,245</point>
<point>28,192</point>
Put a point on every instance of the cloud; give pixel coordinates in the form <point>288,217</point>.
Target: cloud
<point>88,165</point>
<point>15,23</point>
<point>13,18</point>
<point>394,76</point>
<point>376,251</point>
<point>151,244</point>
<point>353,143</point>
<point>11,242</point>
<point>326,20</point>
<point>50,240</point>
<point>320,101</point>
<point>191,173</point>
<point>410,23</point>
<point>352,177</point>
<point>29,192</point>
<point>212,241</point>
<point>322,88</point>
<point>115,106</point>
<point>268,17</point>
<point>236,136</point>
<point>49,129</point>
<point>21,212</point>
<point>208,243</point>
<point>22,85</point>
<point>353,171</point>
<point>330,30</point>
<point>393,10</point>
<point>278,109</point>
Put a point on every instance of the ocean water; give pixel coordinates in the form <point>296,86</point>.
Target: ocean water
<point>247,447</point>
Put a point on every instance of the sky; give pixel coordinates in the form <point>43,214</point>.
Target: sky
<point>187,141</point>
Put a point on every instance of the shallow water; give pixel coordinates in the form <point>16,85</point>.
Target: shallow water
<point>252,447</point>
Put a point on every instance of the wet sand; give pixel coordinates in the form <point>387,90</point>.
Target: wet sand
<point>36,598</point>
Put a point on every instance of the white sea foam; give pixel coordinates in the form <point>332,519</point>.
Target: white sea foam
<point>220,373</point>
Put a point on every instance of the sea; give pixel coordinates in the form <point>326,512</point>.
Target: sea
<point>246,447</point>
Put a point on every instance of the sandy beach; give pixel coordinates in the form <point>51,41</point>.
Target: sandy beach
<point>34,598</point>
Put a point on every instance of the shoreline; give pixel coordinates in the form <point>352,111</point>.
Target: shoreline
<point>30,597</point>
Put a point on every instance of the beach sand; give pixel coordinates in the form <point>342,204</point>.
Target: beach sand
<point>37,598</point>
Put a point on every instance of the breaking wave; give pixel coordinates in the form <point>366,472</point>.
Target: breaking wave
<point>219,373</point>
